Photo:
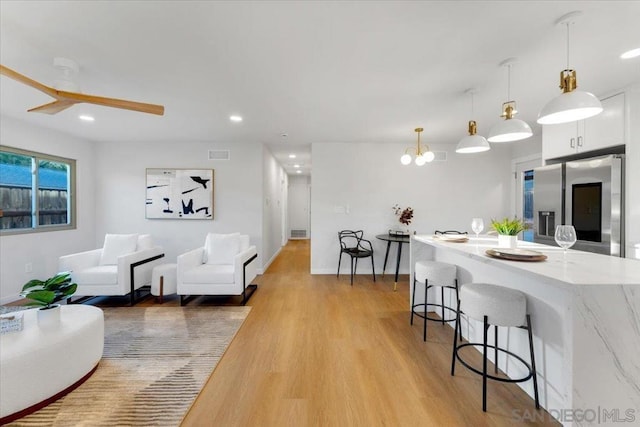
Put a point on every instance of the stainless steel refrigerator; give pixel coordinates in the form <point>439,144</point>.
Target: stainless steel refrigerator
<point>588,194</point>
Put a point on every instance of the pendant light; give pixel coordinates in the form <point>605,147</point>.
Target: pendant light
<point>422,157</point>
<point>509,129</point>
<point>572,105</point>
<point>472,143</point>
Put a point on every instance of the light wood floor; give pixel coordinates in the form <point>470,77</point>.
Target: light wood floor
<point>315,351</point>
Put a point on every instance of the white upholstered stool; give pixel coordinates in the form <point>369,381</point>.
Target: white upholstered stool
<point>164,281</point>
<point>434,273</point>
<point>498,306</point>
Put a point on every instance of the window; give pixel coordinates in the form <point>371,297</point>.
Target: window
<point>36,192</point>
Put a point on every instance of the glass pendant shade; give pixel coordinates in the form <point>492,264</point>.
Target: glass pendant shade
<point>510,130</point>
<point>405,159</point>
<point>570,107</point>
<point>429,156</point>
<point>420,160</point>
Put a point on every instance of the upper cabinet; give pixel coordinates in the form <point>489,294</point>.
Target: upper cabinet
<point>602,131</point>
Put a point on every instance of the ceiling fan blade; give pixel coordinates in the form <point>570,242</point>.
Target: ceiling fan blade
<point>27,81</point>
<point>111,102</point>
<point>53,107</point>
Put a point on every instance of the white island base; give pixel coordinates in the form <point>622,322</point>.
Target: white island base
<point>585,312</point>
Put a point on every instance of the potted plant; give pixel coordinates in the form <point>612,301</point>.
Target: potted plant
<point>508,230</point>
<point>47,293</point>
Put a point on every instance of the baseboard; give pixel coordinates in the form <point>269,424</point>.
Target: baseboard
<point>9,299</point>
<point>268,263</point>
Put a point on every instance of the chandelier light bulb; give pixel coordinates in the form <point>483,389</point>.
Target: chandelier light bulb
<point>429,156</point>
<point>405,159</point>
<point>420,160</point>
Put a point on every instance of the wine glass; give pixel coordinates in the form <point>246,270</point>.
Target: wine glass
<point>477,225</point>
<point>565,237</point>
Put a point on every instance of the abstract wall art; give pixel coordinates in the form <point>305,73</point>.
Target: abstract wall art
<point>179,194</point>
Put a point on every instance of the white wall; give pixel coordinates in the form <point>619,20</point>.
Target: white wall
<point>365,180</point>
<point>274,183</point>
<point>632,200</point>
<point>120,187</point>
<point>43,249</point>
<point>299,204</point>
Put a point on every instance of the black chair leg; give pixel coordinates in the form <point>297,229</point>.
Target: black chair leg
<point>484,365</point>
<point>352,261</point>
<point>424,333</point>
<point>413,299</point>
<point>442,302</point>
<point>373,268</point>
<point>533,363</point>
<point>455,339</point>
<point>495,354</point>
<point>339,261</point>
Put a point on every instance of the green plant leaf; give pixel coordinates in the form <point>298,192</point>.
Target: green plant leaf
<point>33,283</point>
<point>42,296</point>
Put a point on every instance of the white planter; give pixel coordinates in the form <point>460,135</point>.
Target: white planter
<point>505,241</point>
<point>49,317</point>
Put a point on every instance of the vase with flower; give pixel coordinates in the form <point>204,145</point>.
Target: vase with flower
<point>404,217</point>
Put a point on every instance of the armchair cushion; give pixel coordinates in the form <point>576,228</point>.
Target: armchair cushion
<point>221,249</point>
<point>144,242</point>
<point>207,273</point>
<point>98,275</point>
<point>116,245</point>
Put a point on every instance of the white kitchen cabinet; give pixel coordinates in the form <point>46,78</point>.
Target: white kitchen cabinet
<point>602,131</point>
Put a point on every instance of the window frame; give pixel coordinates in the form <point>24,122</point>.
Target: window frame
<point>71,194</point>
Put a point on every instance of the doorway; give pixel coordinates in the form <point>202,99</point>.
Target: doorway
<point>299,199</point>
<point>524,193</point>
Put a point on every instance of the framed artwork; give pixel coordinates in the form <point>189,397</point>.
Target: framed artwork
<point>179,194</point>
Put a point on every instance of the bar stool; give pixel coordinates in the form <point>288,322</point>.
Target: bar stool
<point>498,306</point>
<point>434,273</point>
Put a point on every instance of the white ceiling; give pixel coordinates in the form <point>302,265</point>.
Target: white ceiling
<point>318,71</point>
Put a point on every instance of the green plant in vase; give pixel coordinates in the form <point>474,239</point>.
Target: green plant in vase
<point>47,293</point>
<point>508,229</point>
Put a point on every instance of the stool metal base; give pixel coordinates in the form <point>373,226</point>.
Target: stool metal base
<point>426,305</point>
<point>456,356</point>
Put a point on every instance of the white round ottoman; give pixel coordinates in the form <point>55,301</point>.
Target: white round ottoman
<point>164,280</point>
<point>39,365</point>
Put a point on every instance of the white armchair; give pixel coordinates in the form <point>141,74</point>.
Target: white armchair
<point>225,265</point>
<point>122,266</point>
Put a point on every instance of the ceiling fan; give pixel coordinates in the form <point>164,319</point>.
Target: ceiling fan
<point>65,99</point>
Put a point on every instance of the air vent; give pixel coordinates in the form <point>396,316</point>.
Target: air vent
<point>440,156</point>
<point>298,234</point>
<point>219,154</point>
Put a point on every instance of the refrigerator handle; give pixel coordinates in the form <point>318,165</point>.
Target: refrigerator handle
<point>573,143</point>
<point>579,141</point>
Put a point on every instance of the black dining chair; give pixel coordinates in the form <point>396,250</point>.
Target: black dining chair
<point>353,244</point>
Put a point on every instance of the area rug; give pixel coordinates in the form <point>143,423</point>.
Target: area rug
<point>155,362</point>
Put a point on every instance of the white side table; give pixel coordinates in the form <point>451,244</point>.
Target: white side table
<point>164,280</point>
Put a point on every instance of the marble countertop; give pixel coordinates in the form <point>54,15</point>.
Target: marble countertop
<point>578,268</point>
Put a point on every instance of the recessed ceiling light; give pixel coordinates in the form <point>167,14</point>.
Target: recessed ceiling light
<point>284,135</point>
<point>292,156</point>
<point>631,53</point>
<point>296,166</point>
<point>298,171</point>
<point>86,118</point>
<point>235,118</point>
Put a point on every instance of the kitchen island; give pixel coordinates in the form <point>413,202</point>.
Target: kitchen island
<point>585,311</point>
